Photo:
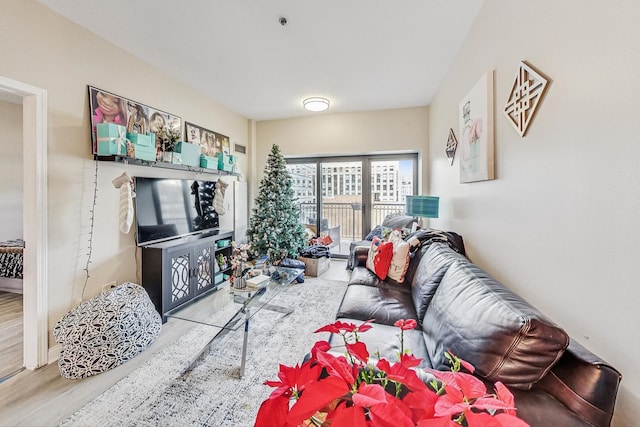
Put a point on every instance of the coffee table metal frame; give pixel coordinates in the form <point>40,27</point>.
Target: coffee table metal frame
<point>248,302</point>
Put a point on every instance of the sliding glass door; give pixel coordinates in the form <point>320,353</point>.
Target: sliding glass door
<point>342,198</point>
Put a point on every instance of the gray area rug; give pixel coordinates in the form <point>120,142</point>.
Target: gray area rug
<point>157,394</point>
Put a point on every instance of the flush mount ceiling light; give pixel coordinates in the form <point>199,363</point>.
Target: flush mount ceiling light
<point>316,104</point>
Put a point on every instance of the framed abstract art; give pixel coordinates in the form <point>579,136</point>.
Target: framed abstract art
<point>476,143</point>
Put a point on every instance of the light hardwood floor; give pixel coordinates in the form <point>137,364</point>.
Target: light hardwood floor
<point>44,398</point>
<point>10,333</point>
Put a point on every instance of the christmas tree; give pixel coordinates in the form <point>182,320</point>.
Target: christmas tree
<point>274,228</point>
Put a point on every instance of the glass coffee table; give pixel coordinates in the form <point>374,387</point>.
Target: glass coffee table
<point>235,308</point>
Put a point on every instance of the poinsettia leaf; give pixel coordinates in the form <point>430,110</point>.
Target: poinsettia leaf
<point>337,326</point>
<point>369,395</point>
<point>507,420</point>
<point>319,346</point>
<point>409,360</point>
<point>485,403</point>
<point>349,416</point>
<point>503,393</point>
<point>421,403</point>
<point>393,413</point>
<point>472,387</point>
<point>272,413</point>
<point>337,366</point>
<point>450,403</point>
<point>483,419</point>
<point>365,326</point>
<point>359,351</point>
<point>400,373</point>
<point>437,422</point>
<point>316,396</point>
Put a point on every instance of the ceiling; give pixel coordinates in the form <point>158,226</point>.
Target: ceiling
<point>361,54</point>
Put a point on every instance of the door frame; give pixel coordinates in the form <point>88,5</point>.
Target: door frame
<point>35,219</point>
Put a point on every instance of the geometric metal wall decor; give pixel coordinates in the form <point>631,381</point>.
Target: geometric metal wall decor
<point>452,144</point>
<point>526,94</point>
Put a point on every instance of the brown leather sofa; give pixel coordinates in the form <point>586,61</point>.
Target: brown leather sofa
<point>460,308</point>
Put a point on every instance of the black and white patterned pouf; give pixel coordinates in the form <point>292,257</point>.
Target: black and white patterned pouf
<point>106,331</point>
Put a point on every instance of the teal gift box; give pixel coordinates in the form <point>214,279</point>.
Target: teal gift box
<point>110,147</point>
<point>110,130</point>
<point>142,139</point>
<point>225,162</point>
<point>208,162</point>
<point>142,152</point>
<point>111,139</point>
<point>190,153</point>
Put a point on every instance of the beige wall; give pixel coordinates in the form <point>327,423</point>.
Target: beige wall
<point>371,132</point>
<point>45,50</point>
<point>560,223</point>
<point>10,170</point>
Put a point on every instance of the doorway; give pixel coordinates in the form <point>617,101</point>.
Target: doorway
<point>34,142</point>
<point>342,198</point>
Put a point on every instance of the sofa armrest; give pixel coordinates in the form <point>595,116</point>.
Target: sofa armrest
<point>584,383</point>
<point>360,254</point>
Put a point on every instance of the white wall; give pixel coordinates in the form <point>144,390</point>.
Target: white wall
<point>42,49</point>
<point>10,170</point>
<point>559,224</point>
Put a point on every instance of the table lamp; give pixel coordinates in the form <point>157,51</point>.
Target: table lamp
<point>423,207</point>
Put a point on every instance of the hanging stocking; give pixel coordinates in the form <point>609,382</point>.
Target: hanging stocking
<point>218,197</point>
<point>124,183</point>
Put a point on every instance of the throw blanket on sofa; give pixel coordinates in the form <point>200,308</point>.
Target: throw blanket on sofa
<point>428,236</point>
<point>11,258</point>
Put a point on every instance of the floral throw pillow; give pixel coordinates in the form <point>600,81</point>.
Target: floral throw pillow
<point>379,259</point>
<point>400,258</point>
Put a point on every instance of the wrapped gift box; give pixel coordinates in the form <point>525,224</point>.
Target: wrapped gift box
<point>110,147</point>
<point>141,152</point>
<point>225,162</point>
<point>208,162</point>
<point>110,130</point>
<point>142,139</point>
<point>190,153</point>
<point>111,139</point>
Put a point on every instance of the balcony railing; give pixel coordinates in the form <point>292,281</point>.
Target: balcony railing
<point>348,216</point>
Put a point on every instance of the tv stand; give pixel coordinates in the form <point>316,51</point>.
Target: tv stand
<point>176,272</point>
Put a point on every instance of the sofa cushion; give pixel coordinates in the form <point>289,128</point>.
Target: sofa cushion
<point>398,221</point>
<point>383,305</point>
<point>400,259</point>
<point>484,323</point>
<point>385,341</point>
<point>376,232</point>
<point>427,276</point>
<point>380,254</point>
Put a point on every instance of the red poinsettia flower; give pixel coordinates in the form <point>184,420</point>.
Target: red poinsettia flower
<point>349,392</point>
<point>406,325</point>
<point>293,379</point>
<point>339,327</point>
<point>319,346</point>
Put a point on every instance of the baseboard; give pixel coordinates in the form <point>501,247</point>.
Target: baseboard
<point>54,354</point>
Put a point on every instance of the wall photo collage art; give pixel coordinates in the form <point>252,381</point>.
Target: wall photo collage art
<point>107,107</point>
<point>211,142</point>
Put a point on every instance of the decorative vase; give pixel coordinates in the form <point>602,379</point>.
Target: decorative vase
<point>239,282</point>
<point>167,156</point>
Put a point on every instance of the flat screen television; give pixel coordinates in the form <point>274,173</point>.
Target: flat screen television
<point>172,208</point>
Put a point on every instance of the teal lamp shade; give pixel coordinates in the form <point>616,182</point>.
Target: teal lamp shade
<point>423,206</point>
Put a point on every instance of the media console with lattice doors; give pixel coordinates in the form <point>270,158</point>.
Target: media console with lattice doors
<point>176,272</point>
